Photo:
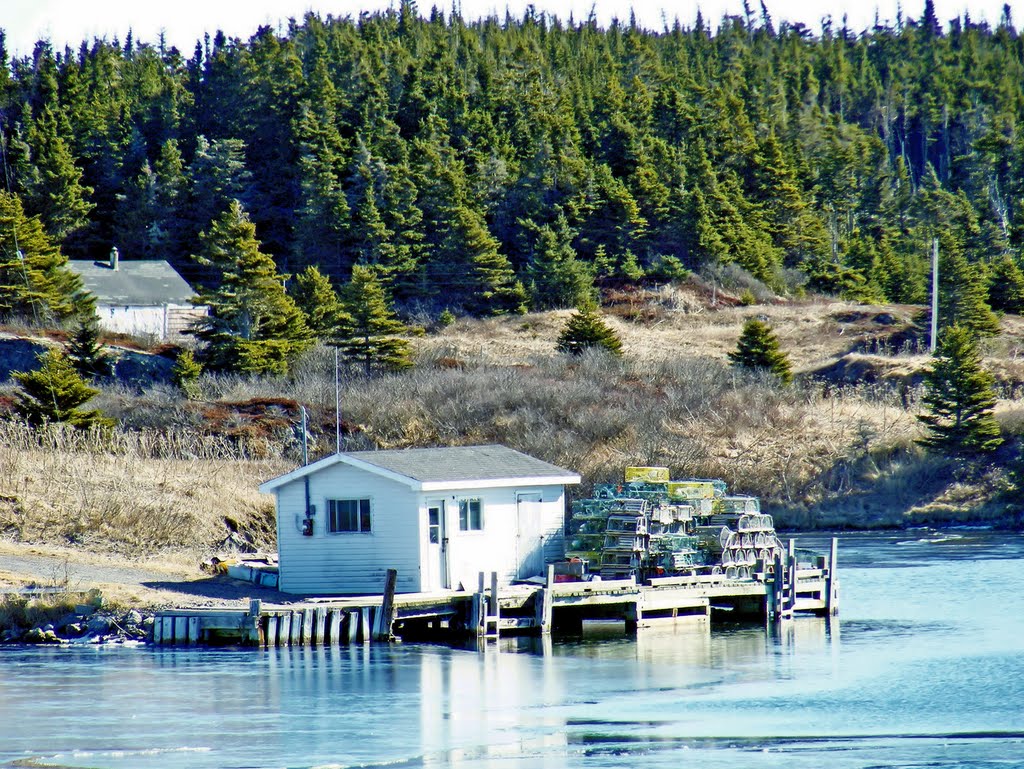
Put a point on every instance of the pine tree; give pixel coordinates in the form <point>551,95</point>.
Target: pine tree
<point>54,392</point>
<point>959,397</point>
<point>316,297</point>
<point>86,352</point>
<point>557,276</point>
<point>758,349</point>
<point>963,296</point>
<point>367,325</point>
<point>48,178</point>
<point>585,329</point>
<point>35,280</point>
<point>185,374</point>
<point>1006,286</point>
<point>253,326</point>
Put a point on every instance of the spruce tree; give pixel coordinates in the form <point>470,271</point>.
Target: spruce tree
<point>54,392</point>
<point>185,374</point>
<point>35,280</point>
<point>365,332</point>
<point>557,276</point>
<point>959,397</point>
<point>585,329</point>
<point>1006,286</point>
<point>758,349</point>
<point>963,296</point>
<point>85,351</point>
<point>253,326</point>
<point>316,297</point>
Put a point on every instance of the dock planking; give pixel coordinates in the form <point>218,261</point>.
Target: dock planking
<point>774,593</point>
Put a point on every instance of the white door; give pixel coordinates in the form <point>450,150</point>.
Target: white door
<point>437,546</point>
<point>530,538</point>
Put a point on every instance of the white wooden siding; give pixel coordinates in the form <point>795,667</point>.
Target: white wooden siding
<point>351,563</point>
<point>355,563</point>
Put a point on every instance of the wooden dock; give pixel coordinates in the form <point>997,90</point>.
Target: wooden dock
<point>774,593</point>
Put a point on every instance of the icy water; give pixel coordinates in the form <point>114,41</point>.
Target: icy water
<point>924,669</point>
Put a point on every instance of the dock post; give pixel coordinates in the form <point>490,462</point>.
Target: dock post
<point>180,630</point>
<point>193,631</point>
<point>832,587</point>
<point>272,630</point>
<point>778,586</point>
<point>158,631</point>
<point>319,622</point>
<point>334,627</point>
<point>352,626</point>
<point>295,637</point>
<point>365,624</point>
<point>544,603</point>
<point>492,620</point>
<point>791,605</point>
<point>386,616</point>
<point>252,629</point>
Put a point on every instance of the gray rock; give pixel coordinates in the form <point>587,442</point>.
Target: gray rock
<point>98,625</point>
<point>39,636</point>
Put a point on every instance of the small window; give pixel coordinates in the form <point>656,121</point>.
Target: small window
<point>434,524</point>
<point>470,516</point>
<point>347,515</point>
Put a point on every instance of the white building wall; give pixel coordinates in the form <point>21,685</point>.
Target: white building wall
<point>159,321</point>
<point>355,563</point>
<point>498,547</point>
<point>350,563</point>
<point>136,321</point>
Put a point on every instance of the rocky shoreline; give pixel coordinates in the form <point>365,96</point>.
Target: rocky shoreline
<point>84,625</point>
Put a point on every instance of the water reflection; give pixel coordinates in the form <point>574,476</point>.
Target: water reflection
<point>928,669</point>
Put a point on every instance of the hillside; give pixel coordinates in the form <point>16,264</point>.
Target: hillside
<point>834,450</point>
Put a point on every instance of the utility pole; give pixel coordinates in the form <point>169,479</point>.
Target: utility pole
<point>935,293</point>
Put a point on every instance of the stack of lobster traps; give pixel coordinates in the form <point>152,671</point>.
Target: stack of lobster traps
<point>652,526</point>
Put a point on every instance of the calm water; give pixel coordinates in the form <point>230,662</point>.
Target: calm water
<point>925,669</point>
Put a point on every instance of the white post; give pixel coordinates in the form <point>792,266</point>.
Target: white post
<point>935,293</point>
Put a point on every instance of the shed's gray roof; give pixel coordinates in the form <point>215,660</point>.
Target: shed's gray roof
<point>441,468</point>
<point>459,463</point>
<point>149,282</point>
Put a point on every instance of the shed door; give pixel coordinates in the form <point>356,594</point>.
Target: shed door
<point>530,539</point>
<point>437,547</point>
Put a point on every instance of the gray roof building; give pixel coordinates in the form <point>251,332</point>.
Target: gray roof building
<point>140,283</point>
<point>444,467</point>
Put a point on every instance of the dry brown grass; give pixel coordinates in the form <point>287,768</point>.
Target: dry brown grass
<point>816,454</point>
<point>129,493</point>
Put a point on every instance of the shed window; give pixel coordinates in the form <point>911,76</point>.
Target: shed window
<point>470,515</point>
<point>345,515</point>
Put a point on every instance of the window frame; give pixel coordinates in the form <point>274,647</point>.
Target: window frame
<point>466,515</point>
<point>361,515</point>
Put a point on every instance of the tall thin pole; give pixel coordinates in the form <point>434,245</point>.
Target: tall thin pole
<point>305,436</point>
<point>337,405</point>
<point>935,293</point>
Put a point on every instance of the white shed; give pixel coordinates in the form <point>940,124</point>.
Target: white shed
<point>142,297</point>
<point>438,516</point>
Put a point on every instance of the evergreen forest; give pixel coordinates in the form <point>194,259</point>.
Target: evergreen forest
<point>495,165</point>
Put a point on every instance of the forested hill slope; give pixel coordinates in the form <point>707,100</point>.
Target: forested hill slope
<point>472,160</point>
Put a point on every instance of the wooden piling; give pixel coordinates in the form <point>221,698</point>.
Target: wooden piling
<point>319,622</point>
<point>386,614</point>
<point>365,623</point>
<point>832,584</point>
<point>791,604</point>
<point>778,588</point>
<point>271,631</point>
<point>334,627</point>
